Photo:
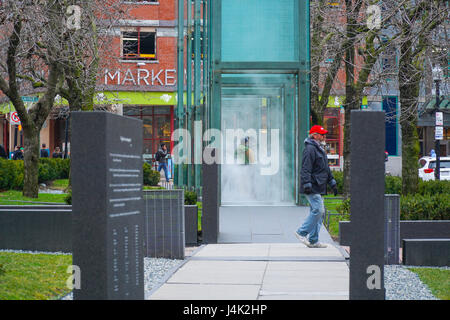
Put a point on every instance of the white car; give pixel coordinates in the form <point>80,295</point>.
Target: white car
<point>428,165</point>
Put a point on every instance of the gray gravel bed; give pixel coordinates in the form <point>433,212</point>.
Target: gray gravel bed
<point>402,284</point>
<point>156,272</point>
<point>399,282</point>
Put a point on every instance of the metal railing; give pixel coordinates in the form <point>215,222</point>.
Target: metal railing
<point>331,202</point>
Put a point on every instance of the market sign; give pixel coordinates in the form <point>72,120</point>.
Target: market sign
<point>141,77</point>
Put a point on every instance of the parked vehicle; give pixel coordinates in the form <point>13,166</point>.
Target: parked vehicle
<point>428,165</point>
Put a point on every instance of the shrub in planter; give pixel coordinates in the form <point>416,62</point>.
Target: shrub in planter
<point>190,198</point>
<point>12,172</point>
<point>68,197</point>
<point>344,207</point>
<point>339,177</point>
<point>151,177</point>
<point>392,185</point>
<point>7,174</point>
<point>434,187</point>
<point>53,169</point>
<point>425,207</point>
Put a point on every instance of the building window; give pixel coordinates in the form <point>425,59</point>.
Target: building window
<point>141,1</point>
<point>390,108</point>
<point>331,124</point>
<point>139,44</point>
<point>158,122</point>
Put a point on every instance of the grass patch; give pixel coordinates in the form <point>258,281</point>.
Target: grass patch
<point>19,199</point>
<point>152,188</point>
<point>26,276</point>
<point>60,184</point>
<point>438,280</point>
<point>332,205</point>
<point>199,205</point>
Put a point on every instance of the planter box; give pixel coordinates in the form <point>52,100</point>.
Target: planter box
<point>164,223</point>
<point>426,252</point>
<point>36,228</point>
<point>424,229</point>
<point>191,223</point>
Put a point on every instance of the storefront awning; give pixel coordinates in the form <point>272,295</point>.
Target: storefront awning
<point>118,97</point>
<point>427,117</point>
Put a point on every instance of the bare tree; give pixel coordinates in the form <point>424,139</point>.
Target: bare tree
<point>418,25</point>
<point>48,47</point>
<point>327,37</point>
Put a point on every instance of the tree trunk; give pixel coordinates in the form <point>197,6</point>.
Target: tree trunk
<point>409,92</point>
<point>410,155</point>
<point>31,162</point>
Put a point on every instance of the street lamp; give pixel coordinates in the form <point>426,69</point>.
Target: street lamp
<point>437,77</point>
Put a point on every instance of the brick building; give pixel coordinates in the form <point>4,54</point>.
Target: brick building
<point>137,78</point>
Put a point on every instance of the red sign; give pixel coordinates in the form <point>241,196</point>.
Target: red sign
<point>14,118</point>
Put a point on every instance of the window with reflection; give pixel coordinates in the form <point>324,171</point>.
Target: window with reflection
<point>157,122</point>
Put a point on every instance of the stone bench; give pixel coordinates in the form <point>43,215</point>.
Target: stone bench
<point>426,252</point>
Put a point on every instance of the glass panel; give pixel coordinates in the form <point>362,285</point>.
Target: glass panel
<point>258,128</point>
<point>131,111</point>
<point>162,126</point>
<point>162,110</point>
<point>444,164</point>
<point>147,110</point>
<point>130,44</point>
<point>147,45</point>
<point>332,125</point>
<point>259,30</point>
<point>148,127</point>
<point>147,145</point>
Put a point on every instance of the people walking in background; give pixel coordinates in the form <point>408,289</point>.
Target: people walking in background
<point>433,153</point>
<point>45,153</point>
<point>314,175</point>
<point>18,153</point>
<point>57,153</point>
<point>161,156</point>
<point>3,153</point>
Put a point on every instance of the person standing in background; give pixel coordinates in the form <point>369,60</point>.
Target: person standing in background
<point>161,156</point>
<point>3,153</point>
<point>57,153</point>
<point>45,153</point>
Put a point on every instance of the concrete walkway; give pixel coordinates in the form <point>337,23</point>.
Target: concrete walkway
<point>259,271</point>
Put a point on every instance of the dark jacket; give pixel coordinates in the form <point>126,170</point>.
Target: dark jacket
<point>3,153</point>
<point>162,155</point>
<point>45,153</point>
<point>315,171</point>
<point>17,155</point>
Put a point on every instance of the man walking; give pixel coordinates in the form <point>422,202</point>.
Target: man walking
<point>161,157</point>
<point>314,176</point>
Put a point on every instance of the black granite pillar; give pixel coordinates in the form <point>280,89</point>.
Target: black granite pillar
<point>108,209</point>
<point>367,205</point>
<point>210,198</point>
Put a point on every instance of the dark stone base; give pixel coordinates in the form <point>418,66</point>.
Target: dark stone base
<point>190,224</point>
<point>40,228</point>
<point>426,252</point>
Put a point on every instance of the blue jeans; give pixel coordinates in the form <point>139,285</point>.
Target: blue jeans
<point>313,222</point>
<point>164,166</point>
